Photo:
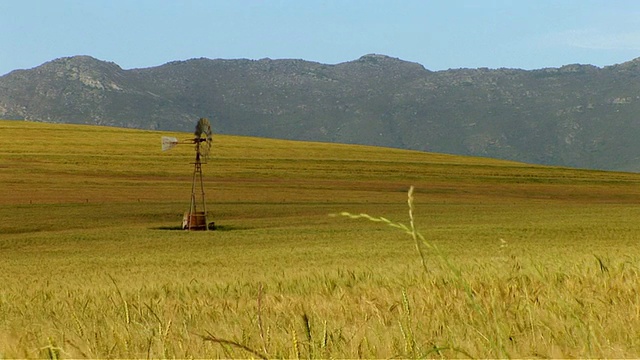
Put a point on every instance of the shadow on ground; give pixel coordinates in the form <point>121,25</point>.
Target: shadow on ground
<point>214,228</point>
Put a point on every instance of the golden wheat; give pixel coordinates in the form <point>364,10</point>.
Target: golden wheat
<point>516,260</point>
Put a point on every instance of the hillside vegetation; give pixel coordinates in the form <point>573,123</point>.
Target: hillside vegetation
<point>576,115</point>
<point>518,260</point>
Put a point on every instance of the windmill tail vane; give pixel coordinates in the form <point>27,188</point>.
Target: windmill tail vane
<point>169,143</point>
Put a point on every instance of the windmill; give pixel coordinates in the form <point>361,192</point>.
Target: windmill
<point>196,217</point>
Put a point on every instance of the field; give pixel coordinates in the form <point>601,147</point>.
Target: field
<point>505,260</point>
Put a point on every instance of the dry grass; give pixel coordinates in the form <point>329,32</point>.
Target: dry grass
<point>524,261</point>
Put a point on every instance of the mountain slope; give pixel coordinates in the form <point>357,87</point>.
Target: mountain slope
<point>576,115</point>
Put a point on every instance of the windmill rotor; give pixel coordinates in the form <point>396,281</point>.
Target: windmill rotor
<point>203,137</point>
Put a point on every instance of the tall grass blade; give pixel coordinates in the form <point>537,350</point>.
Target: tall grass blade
<point>210,337</point>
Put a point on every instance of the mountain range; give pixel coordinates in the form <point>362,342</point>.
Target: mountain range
<point>576,115</point>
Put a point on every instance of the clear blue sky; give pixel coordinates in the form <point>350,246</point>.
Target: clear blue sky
<point>439,34</point>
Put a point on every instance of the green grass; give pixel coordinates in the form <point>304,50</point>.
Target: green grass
<point>532,261</point>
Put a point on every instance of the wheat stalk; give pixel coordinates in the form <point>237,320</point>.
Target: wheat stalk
<point>418,238</point>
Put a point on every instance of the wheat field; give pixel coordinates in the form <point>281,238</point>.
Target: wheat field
<point>503,260</point>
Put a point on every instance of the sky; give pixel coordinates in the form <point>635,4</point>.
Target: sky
<point>439,34</point>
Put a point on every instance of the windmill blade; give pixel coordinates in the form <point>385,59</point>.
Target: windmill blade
<point>205,148</point>
<point>168,143</point>
<point>203,128</point>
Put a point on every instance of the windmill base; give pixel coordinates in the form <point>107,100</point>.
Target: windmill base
<point>194,221</point>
